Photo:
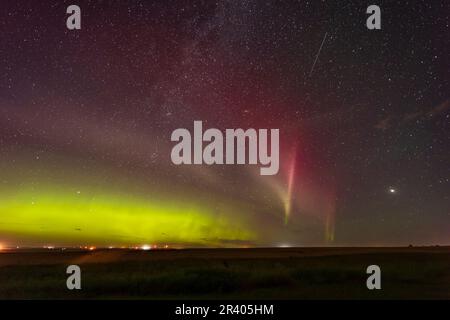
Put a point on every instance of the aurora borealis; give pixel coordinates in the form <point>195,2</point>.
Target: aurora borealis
<point>86,118</point>
<point>102,219</point>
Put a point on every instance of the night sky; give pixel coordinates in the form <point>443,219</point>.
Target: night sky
<point>86,118</point>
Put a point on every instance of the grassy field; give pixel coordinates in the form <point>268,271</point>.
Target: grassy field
<point>276,273</point>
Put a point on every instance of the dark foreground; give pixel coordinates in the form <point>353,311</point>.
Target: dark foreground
<point>277,273</point>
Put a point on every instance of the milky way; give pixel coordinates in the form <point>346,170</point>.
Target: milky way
<point>86,118</point>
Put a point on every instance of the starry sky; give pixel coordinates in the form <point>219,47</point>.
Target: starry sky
<point>86,117</point>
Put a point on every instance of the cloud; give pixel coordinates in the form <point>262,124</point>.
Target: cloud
<point>405,119</point>
<point>384,124</point>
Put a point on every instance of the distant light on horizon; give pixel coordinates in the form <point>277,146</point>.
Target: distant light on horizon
<point>146,247</point>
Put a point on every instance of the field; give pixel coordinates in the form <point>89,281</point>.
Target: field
<point>259,273</point>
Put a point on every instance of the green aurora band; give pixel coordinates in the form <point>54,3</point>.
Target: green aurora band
<point>65,217</point>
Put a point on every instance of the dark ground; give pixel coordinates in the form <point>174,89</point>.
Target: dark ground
<point>276,273</point>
